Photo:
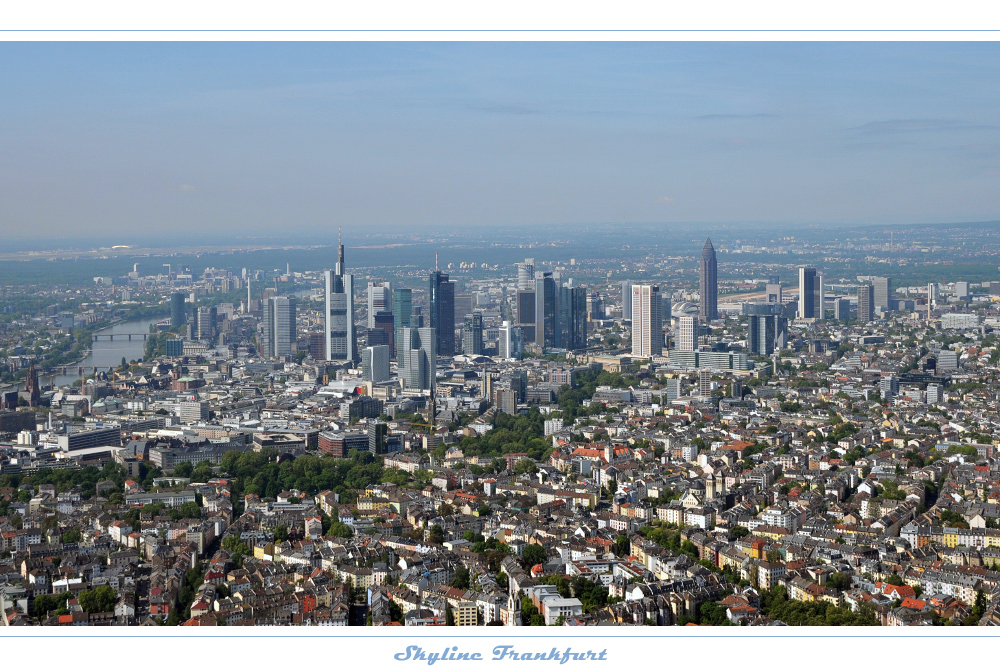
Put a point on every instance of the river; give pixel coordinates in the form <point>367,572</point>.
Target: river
<point>108,353</point>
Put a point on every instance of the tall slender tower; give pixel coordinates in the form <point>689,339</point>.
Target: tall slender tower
<point>442,310</point>
<point>866,303</point>
<point>811,295</point>
<point>647,329</point>
<point>546,310</point>
<point>279,326</point>
<point>709,277</point>
<point>341,342</point>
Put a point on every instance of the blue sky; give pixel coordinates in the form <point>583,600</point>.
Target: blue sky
<point>246,138</point>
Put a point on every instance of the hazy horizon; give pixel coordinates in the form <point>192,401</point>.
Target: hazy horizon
<point>132,142</point>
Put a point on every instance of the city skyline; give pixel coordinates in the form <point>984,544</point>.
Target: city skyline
<point>636,436</point>
<point>399,336</point>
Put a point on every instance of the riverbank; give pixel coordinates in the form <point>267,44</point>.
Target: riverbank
<point>84,347</point>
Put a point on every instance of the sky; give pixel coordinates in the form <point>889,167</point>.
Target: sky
<point>132,140</point>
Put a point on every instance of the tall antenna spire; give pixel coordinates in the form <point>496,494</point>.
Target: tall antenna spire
<point>436,267</point>
<point>339,270</point>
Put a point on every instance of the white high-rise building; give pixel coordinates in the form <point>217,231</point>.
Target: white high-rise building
<point>882,294</point>
<point>379,301</point>
<point>526,275</point>
<point>687,334</point>
<point>647,325</point>
<point>510,342</point>
<point>341,341</point>
<point>811,296</point>
<point>375,363</point>
<point>417,357</point>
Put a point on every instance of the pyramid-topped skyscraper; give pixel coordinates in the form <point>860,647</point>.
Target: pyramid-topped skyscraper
<point>709,282</point>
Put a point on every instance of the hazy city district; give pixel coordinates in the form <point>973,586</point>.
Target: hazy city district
<point>750,433</point>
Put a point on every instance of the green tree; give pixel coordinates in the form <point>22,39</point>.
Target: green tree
<point>461,578</point>
<point>711,613</point>
<point>100,599</point>
<point>839,580</point>
<point>338,529</point>
<point>43,604</point>
<point>533,554</point>
<point>623,547</point>
<point>525,466</point>
<point>237,549</point>
<point>281,533</point>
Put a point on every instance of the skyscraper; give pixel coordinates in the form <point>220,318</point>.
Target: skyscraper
<point>595,307</point>
<point>472,334</point>
<point>705,383</point>
<point>842,309</point>
<point>687,334</point>
<point>383,332</point>
<point>882,293</point>
<point>442,307</point>
<point>810,294</point>
<point>177,317</point>
<point>375,363</point>
<point>866,304</point>
<point>511,341</point>
<point>773,290</point>
<point>379,300</point>
<point>417,358</point>
<point>647,328</point>
<point>768,328</point>
<point>572,318</point>
<point>402,310</point>
<point>464,305</point>
<point>708,275</point>
<point>526,275</point>
<point>206,323</point>
<point>626,299</point>
<point>526,313</point>
<point>279,326</point>
<point>546,311</point>
<point>341,340</point>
